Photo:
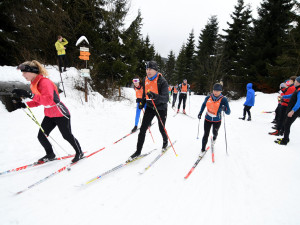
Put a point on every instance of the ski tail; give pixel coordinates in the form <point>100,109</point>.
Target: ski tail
<point>196,163</point>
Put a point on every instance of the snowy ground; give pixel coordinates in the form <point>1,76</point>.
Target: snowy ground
<point>257,183</point>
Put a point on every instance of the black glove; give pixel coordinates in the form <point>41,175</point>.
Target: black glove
<point>199,116</point>
<point>141,105</point>
<point>19,104</point>
<point>152,95</point>
<point>22,93</point>
<point>223,108</point>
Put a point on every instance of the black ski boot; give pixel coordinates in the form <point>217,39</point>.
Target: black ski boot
<point>133,156</point>
<point>77,157</point>
<point>242,118</point>
<point>249,119</point>
<point>47,158</point>
<point>134,129</point>
<point>165,145</point>
<point>282,141</point>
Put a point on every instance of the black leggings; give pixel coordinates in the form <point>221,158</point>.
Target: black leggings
<point>182,96</point>
<point>247,109</point>
<point>62,61</point>
<point>174,99</point>
<point>287,125</point>
<point>281,118</point>
<point>148,117</point>
<point>207,126</point>
<point>64,126</point>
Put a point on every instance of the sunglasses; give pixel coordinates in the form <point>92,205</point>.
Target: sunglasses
<point>135,80</point>
<point>27,68</point>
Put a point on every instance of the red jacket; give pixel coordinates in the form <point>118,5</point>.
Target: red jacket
<point>290,90</point>
<point>46,94</point>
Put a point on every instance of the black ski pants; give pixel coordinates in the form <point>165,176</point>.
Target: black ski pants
<point>287,125</point>
<point>207,126</point>
<point>174,100</point>
<point>64,126</point>
<point>281,118</point>
<point>277,112</point>
<point>182,96</point>
<point>148,117</point>
<point>62,61</point>
<point>247,109</point>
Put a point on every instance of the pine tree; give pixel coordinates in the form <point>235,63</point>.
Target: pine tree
<point>190,57</point>
<point>236,43</point>
<point>270,34</point>
<point>208,56</point>
<point>180,65</point>
<point>170,69</point>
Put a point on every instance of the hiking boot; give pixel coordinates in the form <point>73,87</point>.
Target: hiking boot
<point>242,118</point>
<point>134,129</point>
<point>77,157</point>
<point>47,158</point>
<point>276,133</point>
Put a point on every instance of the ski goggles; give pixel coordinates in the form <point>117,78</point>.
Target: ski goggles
<point>136,80</point>
<point>27,68</point>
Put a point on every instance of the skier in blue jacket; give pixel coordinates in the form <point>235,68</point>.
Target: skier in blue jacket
<point>250,99</point>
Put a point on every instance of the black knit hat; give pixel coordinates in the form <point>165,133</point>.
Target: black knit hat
<point>152,65</point>
<point>217,87</point>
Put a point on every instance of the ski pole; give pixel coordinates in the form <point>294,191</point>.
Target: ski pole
<point>149,129</point>
<point>198,129</point>
<point>62,84</point>
<point>37,123</point>
<point>163,125</point>
<point>225,133</point>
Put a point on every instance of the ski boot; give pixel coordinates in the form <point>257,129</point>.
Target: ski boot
<point>134,129</point>
<point>242,118</point>
<point>282,141</point>
<point>47,158</point>
<point>77,157</point>
<point>133,157</point>
<point>183,111</point>
<point>165,145</point>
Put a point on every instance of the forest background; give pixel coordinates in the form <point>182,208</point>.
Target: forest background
<point>264,50</point>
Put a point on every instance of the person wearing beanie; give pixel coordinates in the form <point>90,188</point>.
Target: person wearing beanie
<point>155,87</point>
<point>45,93</point>
<point>293,111</point>
<point>279,127</point>
<point>139,94</point>
<point>250,99</point>
<point>183,88</point>
<point>215,103</point>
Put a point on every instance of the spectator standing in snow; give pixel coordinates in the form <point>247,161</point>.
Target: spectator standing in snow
<point>250,99</point>
<point>282,88</point>
<point>139,94</point>
<point>44,92</point>
<point>155,87</point>
<point>293,111</point>
<point>279,128</point>
<point>61,52</point>
<point>215,104</point>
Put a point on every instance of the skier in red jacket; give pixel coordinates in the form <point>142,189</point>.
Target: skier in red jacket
<point>44,92</point>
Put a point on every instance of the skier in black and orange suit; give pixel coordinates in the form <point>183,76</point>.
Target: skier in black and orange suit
<point>184,88</point>
<point>215,104</point>
<point>155,87</point>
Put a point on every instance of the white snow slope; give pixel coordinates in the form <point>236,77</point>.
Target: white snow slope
<point>257,183</point>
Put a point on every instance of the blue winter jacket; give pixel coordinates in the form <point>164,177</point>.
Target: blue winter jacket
<point>224,102</point>
<point>250,99</point>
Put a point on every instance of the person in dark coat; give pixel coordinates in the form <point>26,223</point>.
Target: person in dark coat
<point>293,111</point>
<point>156,88</point>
